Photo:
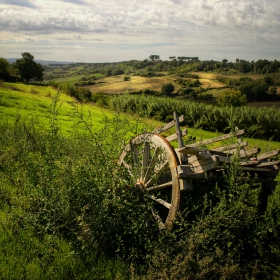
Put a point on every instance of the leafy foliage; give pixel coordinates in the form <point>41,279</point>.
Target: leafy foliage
<point>232,98</point>
<point>68,212</point>
<point>167,89</point>
<point>28,68</point>
<point>261,123</point>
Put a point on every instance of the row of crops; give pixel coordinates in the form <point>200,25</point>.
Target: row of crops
<point>263,122</point>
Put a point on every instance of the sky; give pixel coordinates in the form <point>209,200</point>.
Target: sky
<point>121,30</point>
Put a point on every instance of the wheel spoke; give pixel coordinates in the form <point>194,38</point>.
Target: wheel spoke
<point>157,218</point>
<point>159,171</point>
<point>145,160</point>
<point>151,165</point>
<point>128,168</point>
<point>160,187</point>
<point>135,154</point>
<point>160,201</point>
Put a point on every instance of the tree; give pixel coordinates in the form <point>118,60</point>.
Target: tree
<point>167,89</point>
<point>255,90</point>
<point>232,98</point>
<point>4,66</point>
<point>28,69</point>
<point>154,57</point>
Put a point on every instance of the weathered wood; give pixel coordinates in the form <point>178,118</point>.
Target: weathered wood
<point>175,135</point>
<point>200,165</point>
<point>167,126</point>
<point>190,150</point>
<point>182,157</point>
<point>248,153</point>
<point>249,162</point>
<point>268,155</point>
<point>230,147</point>
<point>159,187</point>
<point>218,138</point>
<point>184,171</point>
<point>255,169</point>
<point>160,201</point>
<point>269,163</point>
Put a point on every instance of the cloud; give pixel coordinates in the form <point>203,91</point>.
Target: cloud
<point>78,2</point>
<point>26,39</point>
<point>25,3</point>
<point>190,25</point>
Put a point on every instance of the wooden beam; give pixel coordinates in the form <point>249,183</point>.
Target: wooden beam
<point>190,150</point>
<point>269,163</point>
<point>218,138</point>
<point>268,155</point>
<point>167,126</point>
<point>175,135</point>
<point>230,147</point>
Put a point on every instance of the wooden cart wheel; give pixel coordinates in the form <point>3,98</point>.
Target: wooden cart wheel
<point>150,161</point>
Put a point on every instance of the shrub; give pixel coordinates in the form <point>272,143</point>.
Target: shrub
<point>167,89</point>
<point>232,98</point>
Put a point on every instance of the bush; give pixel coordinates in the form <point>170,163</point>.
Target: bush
<point>167,89</point>
<point>232,98</point>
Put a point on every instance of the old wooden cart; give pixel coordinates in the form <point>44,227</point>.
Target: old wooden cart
<point>164,172</point>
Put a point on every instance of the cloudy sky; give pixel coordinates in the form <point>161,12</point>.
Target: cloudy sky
<point>118,30</point>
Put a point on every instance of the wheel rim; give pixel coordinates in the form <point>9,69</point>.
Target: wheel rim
<point>150,161</point>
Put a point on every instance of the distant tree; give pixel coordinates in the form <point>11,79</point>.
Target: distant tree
<point>109,72</point>
<point>232,98</point>
<point>255,90</point>
<point>167,89</point>
<point>28,69</point>
<point>4,64</point>
<point>154,57</point>
<point>244,66</point>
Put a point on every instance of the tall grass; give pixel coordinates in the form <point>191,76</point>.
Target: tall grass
<point>68,212</point>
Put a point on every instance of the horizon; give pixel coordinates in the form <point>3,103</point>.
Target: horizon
<point>84,31</point>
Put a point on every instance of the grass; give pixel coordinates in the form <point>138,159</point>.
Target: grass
<point>34,102</point>
<point>67,212</point>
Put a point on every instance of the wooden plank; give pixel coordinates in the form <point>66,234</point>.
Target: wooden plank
<point>224,159</point>
<point>269,163</point>
<point>268,155</point>
<point>204,168</point>
<point>230,147</point>
<point>167,126</point>
<point>257,169</point>
<point>248,153</point>
<point>175,135</point>
<point>218,138</point>
<point>249,162</point>
<point>179,132</point>
<point>191,150</point>
<point>200,165</point>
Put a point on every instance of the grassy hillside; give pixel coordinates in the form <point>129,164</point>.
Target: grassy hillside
<point>35,102</point>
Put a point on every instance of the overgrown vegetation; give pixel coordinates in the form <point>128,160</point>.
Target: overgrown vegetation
<point>67,212</point>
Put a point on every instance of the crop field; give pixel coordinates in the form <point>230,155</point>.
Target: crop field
<point>116,84</point>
